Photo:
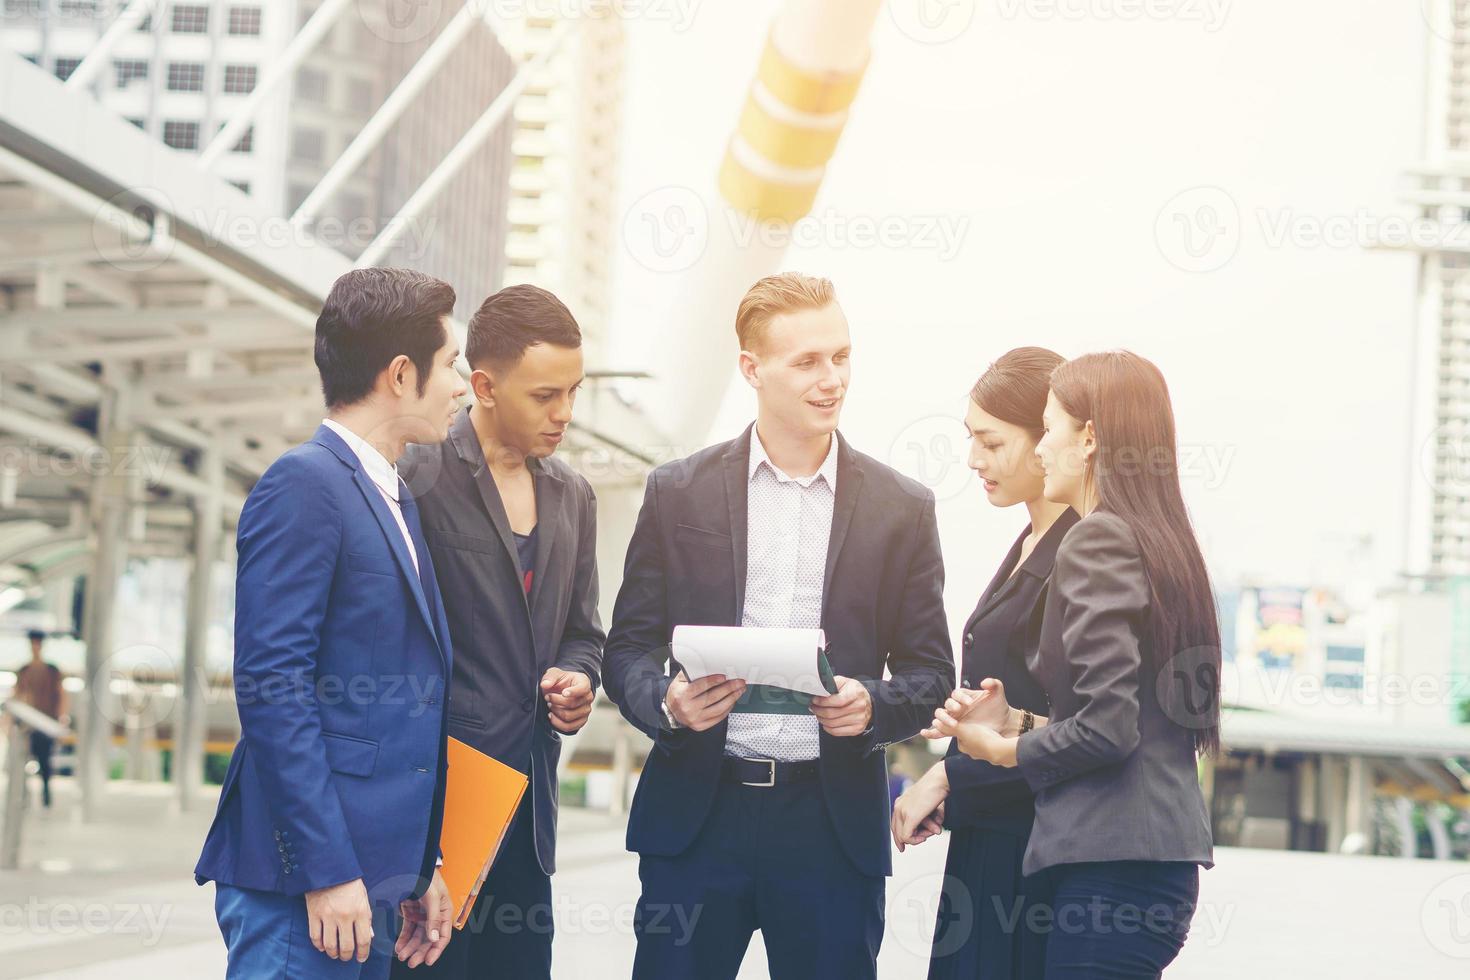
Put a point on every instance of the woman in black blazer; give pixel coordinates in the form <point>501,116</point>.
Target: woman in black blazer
<point>981,927</point>
<point>1130,659</point>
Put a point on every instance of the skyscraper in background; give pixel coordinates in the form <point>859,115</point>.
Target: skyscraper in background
<point>532,205</point>
<point>1438,532</point>
<point>1437,536</point>
<point>565,147</point>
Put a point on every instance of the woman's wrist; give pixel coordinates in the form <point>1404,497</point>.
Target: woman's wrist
<point>938,775</point>
<point>1012,726</point>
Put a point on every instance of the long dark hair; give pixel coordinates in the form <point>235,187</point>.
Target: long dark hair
<point>1013,388</point>
<point>1136,473</point>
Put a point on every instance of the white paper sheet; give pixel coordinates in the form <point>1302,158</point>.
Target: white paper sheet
<point>777,657</point>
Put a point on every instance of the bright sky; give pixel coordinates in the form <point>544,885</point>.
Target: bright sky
<point>1053,141</point>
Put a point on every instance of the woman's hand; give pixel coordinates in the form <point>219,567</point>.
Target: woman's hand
<point>919,813</point>
<point>975,720</point>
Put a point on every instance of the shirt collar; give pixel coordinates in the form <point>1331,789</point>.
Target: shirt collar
<point>827,471</point>
<point>379,470</point>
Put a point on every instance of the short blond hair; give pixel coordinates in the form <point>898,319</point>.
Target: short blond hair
<point>774,295</point>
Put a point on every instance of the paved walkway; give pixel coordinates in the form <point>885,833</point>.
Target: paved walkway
<point>115,901</point>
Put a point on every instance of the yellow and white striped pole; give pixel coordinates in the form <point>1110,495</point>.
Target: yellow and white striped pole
<point>794,114</point>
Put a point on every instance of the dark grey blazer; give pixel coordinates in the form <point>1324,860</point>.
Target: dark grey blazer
<point>502,642</point>
<point>1115,777</point>
<point>882,609</point>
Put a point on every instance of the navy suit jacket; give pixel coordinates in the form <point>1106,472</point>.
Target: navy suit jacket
<point>341,660</point>
<point>882,606</point>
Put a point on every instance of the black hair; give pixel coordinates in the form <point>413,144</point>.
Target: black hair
<point>370,317</point>
<point>516,318</point>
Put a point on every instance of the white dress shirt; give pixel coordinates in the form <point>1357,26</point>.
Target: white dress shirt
<point>384,476</point>
<point>789,523</point>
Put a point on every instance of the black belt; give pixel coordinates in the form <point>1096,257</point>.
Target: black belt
<point>766,772</point>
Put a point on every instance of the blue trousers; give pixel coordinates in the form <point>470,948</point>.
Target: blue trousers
<point>1118,919</point>
<point>767,859</point>
<point>267,938</point>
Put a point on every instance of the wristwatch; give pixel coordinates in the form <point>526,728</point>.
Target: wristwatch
<point>669,716</point>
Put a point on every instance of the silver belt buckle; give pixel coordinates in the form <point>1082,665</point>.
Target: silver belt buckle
<point>770,780</point>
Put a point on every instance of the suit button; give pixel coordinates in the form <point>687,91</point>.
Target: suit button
<point>526,704</point>
<point>969,639</point>
<point>278,835</point>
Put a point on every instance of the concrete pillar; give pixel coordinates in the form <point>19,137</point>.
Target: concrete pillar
<point>114,491</point>
<point>1359,799</point>
<point>189,728</point>
<point>622,769</point>
<point>17,753</point>
<point>1334,801</point>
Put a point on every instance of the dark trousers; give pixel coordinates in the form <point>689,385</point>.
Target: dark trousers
<point>41,747</point>
<point>1118,919</point>
<point>508,935</point>
<point>767,859</point>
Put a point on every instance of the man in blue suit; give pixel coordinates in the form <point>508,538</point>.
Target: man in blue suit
<point>330,812</point>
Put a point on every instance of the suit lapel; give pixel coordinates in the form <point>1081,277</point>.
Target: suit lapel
<point>426,569</point>
<point>396,544</point>
<point>549,489</point>
<point>849,489</point>
<point>999,586</point>
<point>737,486</point>
<point>467,445</point>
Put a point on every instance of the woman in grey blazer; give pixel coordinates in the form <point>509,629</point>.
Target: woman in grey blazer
<point>1130,659</point>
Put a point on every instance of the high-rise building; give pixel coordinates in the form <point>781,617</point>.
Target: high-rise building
<point>1438,530</point>
<point>563,187</point>
<point>185,70</point>
<point>534,205</point>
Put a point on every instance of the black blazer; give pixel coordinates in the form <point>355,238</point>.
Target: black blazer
<point>882,605</point>
<point>1115,776</point>
<point>1000,638</point>
<point>503,641</point>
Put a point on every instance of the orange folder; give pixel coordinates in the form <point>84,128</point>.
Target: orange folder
<point>480,797</point>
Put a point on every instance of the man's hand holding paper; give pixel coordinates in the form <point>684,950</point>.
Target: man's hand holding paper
<point>787,669</point>
<point>846,713</point>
